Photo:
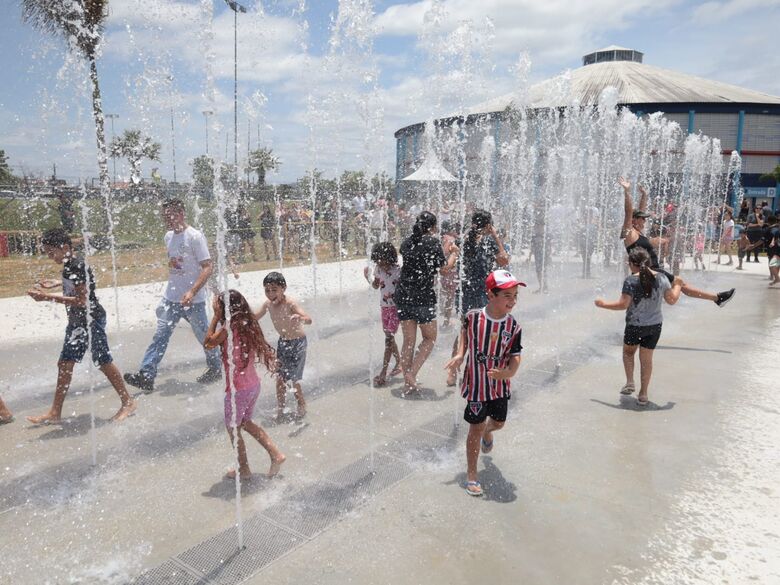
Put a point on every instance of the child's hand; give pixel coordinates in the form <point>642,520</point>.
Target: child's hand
<point>624,183</point>
<point>498,374</point>
<point>365,272</point>
<point>48,283</point>
<point>599,303</point>
<point>38,295</point>
<point>454,363</point>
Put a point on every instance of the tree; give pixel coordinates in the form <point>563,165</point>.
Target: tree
<point>80,23</point>
<point>260,161</point>
<point>772,177</point>
<point>203,172</point>
<point>135,147</point>
<point>7,178</point>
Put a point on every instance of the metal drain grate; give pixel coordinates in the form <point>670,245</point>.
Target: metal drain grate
<point>444,425</point>
<point>169,573</point>
<point>358,476</point>
<point>220,561</point>
<point>418,444</point>
<point>313,509</point>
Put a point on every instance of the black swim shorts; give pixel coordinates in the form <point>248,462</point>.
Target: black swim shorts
<point>644,336</point>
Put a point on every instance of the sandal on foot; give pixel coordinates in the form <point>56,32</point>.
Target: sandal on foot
<point>486,447</point>
<point>627,389</point>
<point>379,381</point>
<point>644,402</point>
<point>474,488</point>
<point>5,421</point>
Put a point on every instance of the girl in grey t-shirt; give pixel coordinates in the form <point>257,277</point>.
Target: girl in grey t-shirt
<point>642,296</point>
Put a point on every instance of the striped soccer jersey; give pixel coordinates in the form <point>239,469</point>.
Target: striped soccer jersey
<point>489,344</point>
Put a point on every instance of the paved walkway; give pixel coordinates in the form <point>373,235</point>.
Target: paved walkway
<point>582,487</point>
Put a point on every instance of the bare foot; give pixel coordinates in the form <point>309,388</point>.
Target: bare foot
<point>379,380</point>
<point>126,411</point>
<point>301,414</point>
<point>276,464</point>
<point>395,371</point>
<point>245,473</point>
<point>44,419</point>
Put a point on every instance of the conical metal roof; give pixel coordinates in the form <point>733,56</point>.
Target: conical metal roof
<point>636,83</point>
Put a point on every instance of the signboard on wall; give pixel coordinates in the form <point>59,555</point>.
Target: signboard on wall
<point>760,192</point>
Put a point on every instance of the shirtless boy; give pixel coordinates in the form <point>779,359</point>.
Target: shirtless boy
<point>288,319</point>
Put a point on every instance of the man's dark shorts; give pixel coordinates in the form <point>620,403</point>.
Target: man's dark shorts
<point>75,345</point>
<point>646,336</point>
<point>477,412</point>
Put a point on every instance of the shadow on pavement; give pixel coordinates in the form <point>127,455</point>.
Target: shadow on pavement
<point>172,387</point>
<point>427,394</point>
<point>692,349</point>
<point>629,403</point>
<point>72,427</point>
<point>495,486</point>
<point>225,488</point>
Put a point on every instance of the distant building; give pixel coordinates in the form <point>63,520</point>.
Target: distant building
<point>745,121</point>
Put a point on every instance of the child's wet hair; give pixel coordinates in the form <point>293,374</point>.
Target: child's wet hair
<point>275,278</point>
<point>56,238</point>
<point>176,205</point>
<point>384,253</point>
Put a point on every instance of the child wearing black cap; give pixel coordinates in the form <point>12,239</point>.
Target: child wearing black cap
<point>490,343</point>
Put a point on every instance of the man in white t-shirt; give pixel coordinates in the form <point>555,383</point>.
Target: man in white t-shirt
<point>189,268</point>
<point>359,203</point>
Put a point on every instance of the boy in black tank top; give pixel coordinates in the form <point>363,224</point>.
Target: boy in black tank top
<point>633,237</point>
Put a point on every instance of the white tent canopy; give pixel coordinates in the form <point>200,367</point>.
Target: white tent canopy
<point>431,169</point>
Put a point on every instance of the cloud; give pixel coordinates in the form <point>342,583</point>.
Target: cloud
<point>722,11</point>
<point>551,30</point>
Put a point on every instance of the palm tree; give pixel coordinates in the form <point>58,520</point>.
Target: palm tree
<point>135,147</point>
<point>80,23</point>
<point>260,161</point>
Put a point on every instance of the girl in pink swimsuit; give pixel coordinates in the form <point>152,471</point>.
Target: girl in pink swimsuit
<point>241,380</point>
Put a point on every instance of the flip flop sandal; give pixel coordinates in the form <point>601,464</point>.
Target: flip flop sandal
<point>477,491</point>
<point>628,389</point>
<point>486,447</point>
<point>5,421</point>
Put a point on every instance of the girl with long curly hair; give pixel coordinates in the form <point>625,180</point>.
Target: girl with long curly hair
<point>248,346</point>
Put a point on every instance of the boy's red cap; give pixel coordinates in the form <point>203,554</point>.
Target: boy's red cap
<point>501,279</point>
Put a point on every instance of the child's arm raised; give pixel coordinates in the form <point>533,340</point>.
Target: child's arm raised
<point>672,295</point>
<point>213,337</point>
<point>628,209</point>
<point>619,305</point>
<point>80,300</point>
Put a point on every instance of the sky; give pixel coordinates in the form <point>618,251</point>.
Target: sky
<point>326,83</point>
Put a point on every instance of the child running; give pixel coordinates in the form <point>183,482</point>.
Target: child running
<point>249,345</point>
<point>386,276</point>
<point>78,296</point>
<point>490,342</point>
<point>644,291</point>
<point>288,319</point>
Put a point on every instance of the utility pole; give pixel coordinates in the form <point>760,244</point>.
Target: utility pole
<point>173,132</point>
<point>236,8</point>
<point>112,117</point>
<point>173,146</point>
<point>206,114</point>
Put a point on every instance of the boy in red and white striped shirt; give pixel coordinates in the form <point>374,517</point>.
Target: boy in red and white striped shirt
<point>490,342</point>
